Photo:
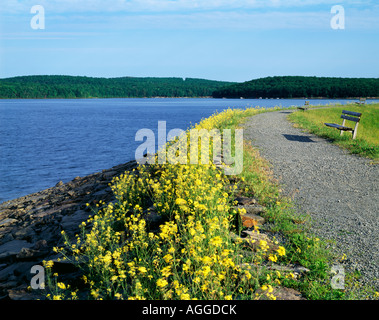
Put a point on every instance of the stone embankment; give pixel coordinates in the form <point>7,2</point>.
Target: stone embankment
<point>31,226</point>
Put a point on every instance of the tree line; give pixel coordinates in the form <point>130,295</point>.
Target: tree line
<point>301,87</point>
<point>39,87</point>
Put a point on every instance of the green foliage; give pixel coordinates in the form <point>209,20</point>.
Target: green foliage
<point>33,87</point>
<point>300,87</point>
<point>367,141</point>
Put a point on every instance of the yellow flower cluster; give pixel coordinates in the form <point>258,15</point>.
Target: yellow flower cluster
<point>190,256</point>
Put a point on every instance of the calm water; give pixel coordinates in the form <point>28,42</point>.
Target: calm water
<point>45,141</point>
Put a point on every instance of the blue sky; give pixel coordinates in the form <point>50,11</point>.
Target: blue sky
<point>232,40</point>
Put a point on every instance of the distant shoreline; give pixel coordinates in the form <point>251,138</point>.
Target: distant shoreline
<point>94,98</point>
<point>205,97</point>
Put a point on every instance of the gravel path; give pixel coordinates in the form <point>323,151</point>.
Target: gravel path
<point>338,190</point>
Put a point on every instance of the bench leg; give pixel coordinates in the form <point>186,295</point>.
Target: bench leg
<point>343,124</point>
<point>355,131</point>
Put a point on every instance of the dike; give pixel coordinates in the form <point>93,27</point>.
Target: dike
<point>31,226</point>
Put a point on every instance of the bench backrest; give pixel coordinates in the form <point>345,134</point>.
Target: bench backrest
<point>351,116</point>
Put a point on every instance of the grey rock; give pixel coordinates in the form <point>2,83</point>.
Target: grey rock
<point>153,219</point>
<point>9,284</point>
<point>13,247</point>
<point>253,240</point>
<point>18,270</point>
<point>289,268</point>
<point>27,254</point>
<point>22,293</point>
<point>6,238</point>
<point>26,233</point>
<point>71,193</point>
<point>73,221</point>
<point>101,193</point>
<point>245,201</point>
<point>252,208</point>
<point>282,293</point>
<point>7,222</point>
<point>249,220</point>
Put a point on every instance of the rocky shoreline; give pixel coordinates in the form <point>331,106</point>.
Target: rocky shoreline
<point>31,226</point>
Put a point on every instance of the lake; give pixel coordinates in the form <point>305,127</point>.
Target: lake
<point>43,142</point>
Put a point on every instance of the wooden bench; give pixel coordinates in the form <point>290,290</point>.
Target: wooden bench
<point>305,107</point>
<point>347,115</point>
<point>362,101</point>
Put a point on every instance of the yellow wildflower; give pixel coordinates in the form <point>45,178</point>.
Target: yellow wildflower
<point>61,285</point>
<point>216,241</point>
<point>171,250</point>
<point>281,251</point>
<point>271,296</point>
<point>162,283</point>
<point>185,296</point>
<point>48,264</point>
<point>142,269</point>
<point>272,258</point>
<point>180,202</point>
<point>168,258</point>
<point>263,244</point>
<point>166,271</point>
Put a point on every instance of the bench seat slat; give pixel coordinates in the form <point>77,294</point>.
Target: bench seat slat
<point>338,126</point>
<point>352,113</point>
<point>350,118</point>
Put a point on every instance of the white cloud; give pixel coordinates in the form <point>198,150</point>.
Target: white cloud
<point>227,20</point>
<point>60,6</point>
<point>194,14</point>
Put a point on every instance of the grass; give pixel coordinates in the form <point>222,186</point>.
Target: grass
<point>191,254</point>
<point>367,142</point>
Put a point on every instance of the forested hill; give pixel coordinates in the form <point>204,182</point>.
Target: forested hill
<point>30,87</point>
<point>301,87</point>
<point>87,87</point>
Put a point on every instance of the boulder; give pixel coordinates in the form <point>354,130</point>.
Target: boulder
<point>12,248</point>
<point>251,208</point>
<point>253,240</point>
<point>60,183</point>
<point>72,222</point>
<point>251,220</point>
<point>7,222</point>
<point>281,293</point>
<point>243,201</point>
<point>153,219</point>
